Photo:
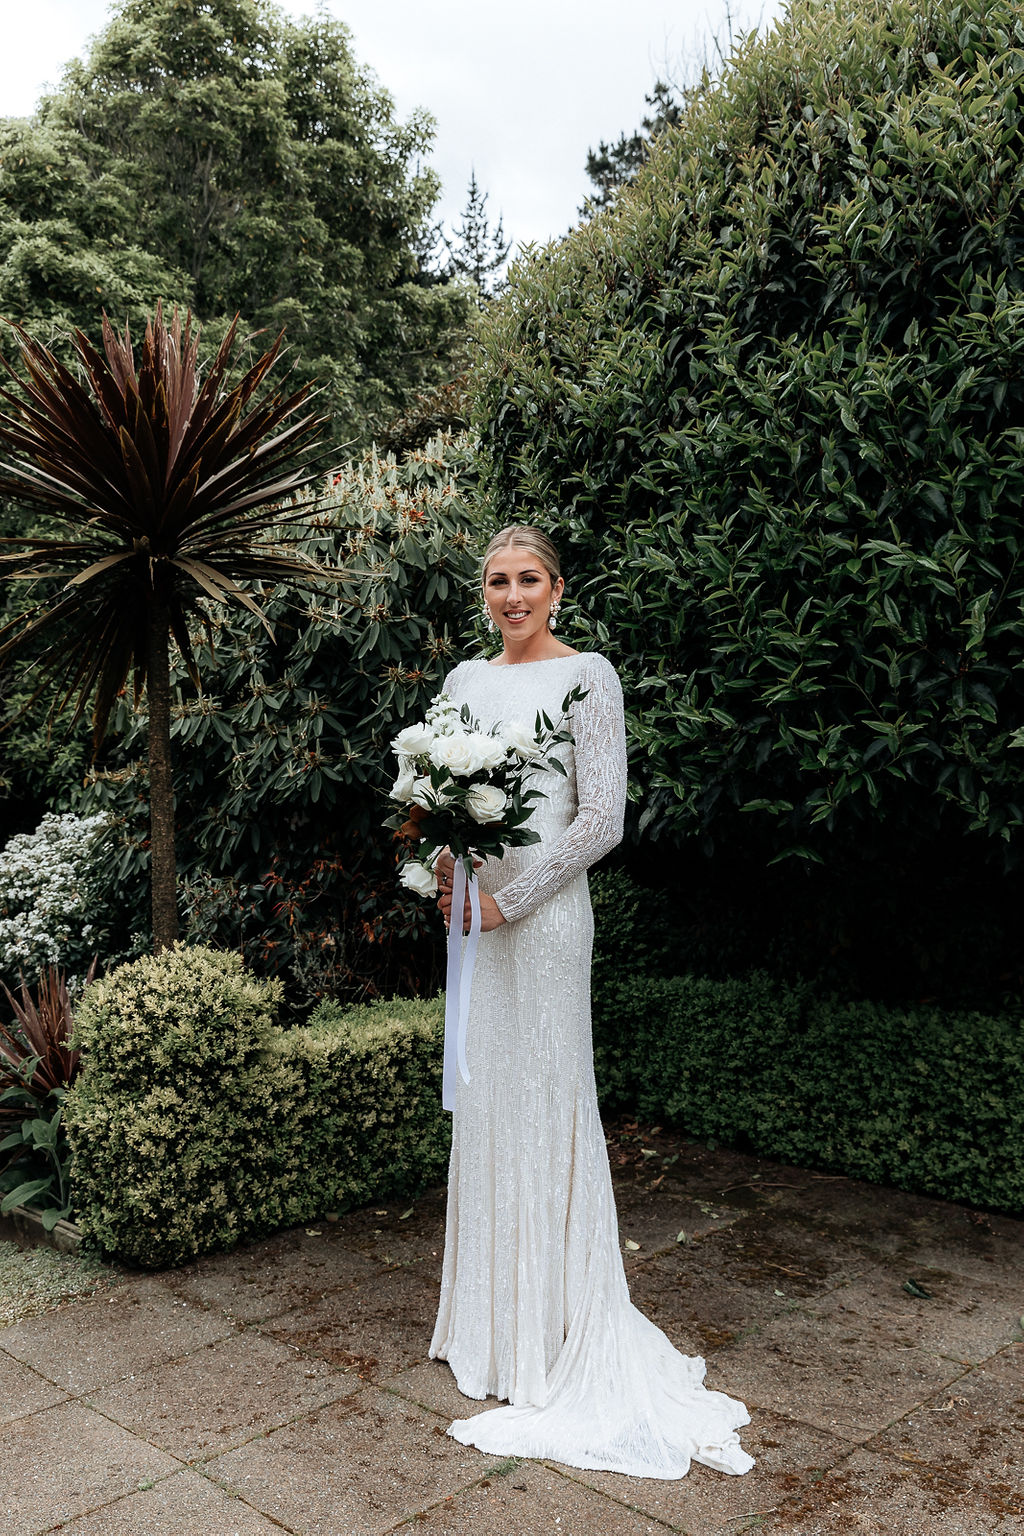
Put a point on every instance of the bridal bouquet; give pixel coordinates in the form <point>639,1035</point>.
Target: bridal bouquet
<point>464,787</point>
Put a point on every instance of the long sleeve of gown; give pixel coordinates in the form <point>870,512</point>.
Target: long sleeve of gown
<point>599,737</point>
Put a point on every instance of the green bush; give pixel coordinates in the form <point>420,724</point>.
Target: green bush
<point>774,399</point>
<point>920,1098</point>
<point>771,406</point>
<point>196,1122</point>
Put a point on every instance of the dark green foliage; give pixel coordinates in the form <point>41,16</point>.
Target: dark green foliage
<point>773,400</point>
<point>920,1098</point>
<point>196,1122</point>
<point>225,157</point>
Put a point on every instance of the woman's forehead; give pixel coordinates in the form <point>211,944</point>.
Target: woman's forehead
<point>510,560</point>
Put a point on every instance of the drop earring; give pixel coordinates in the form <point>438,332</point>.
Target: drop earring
<point>486,616</point>
<point>553,618</point>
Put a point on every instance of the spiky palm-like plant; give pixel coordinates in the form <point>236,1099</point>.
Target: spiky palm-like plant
<point>165,490</point>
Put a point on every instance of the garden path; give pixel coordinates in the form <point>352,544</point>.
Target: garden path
<point>875,1336</point>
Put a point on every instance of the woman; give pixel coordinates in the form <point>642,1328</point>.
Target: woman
<point>534,1303</point>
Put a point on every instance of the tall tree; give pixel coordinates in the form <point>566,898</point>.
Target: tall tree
<point>222,156</point>
<point>162,488</point>
<point>476,250</point>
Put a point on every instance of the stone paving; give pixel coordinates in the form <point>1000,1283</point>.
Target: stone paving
<point>284,1387</point>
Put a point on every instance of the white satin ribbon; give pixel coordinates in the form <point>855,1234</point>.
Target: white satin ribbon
<point>459,983</point>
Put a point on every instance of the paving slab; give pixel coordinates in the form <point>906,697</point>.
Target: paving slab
<point>431,1384</point>
<point>65,1460</point>
<point>23,1390</point>
<point>915,1228</point>
<point>261,1280</point>
<point>219,1396</point>
<point>88,1344</point>
<point>961,1318</point>
<point>773,1251</point>
<point>830,1371</point>
<point>652,1215</point>
<point>187,1502</point>
<point>879,1496</point>
<point>788,1455</point>
<point>686,1295</point>
<point>355,1468</point>
<point>388,1235</point>
<point>374,1328</point>
<point>529,1498</point>
<point>973,1434</point>
<point>292,1375</point>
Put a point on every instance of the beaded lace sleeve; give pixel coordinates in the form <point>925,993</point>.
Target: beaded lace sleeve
<point>599,737</point>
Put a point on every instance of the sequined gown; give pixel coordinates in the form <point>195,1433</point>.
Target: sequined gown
<point>534,1305</point>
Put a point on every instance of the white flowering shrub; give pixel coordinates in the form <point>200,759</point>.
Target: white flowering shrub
<point>53,910</point>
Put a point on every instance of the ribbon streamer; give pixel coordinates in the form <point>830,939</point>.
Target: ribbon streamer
<point>459,981</point>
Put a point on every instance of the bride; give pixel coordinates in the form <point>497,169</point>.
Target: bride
<point>534,1305</point>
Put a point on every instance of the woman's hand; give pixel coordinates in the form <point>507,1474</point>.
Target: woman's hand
<point>491,915</point>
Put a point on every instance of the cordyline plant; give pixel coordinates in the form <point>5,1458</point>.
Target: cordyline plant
<point>38,1064</point>
<point>166,490</point>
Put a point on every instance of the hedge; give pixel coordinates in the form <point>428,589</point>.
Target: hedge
<point>197,1122</point>
<point>922,1098</point>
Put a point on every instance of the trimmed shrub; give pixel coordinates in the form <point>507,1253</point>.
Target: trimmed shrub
<point>369,1121</point>
<point>196,1122</point>
<point>921,1098</point>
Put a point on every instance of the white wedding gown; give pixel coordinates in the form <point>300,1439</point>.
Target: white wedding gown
<point>534,1304</point>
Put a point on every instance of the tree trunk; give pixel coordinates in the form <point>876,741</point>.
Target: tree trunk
<point>163,865</point>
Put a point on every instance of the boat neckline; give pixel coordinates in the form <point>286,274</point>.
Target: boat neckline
<point>540,661</point>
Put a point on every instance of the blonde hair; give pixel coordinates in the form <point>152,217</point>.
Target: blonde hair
<point>521,536</point>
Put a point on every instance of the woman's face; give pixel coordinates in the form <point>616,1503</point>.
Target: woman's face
<point>519,592</point>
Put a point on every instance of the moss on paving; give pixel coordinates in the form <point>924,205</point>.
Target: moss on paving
<point>34,1280</point>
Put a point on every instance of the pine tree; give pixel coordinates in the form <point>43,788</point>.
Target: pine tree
<point>476,250</point>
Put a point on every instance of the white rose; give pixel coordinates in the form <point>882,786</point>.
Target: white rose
<point>468,752</point>
<point>491,749</point>
<point>402,788</point>
<point>522,741</point>
<point>418,878</point>
<point>459,754</point>
<point>486,803</point>
<point>413,741</point>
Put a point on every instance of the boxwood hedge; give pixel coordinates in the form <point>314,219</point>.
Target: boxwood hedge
<point>196,1121</point>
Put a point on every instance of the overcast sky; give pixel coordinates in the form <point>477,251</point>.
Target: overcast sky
<point>520,92</point>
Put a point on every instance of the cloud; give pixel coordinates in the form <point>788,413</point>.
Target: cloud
<point>519,93</point>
